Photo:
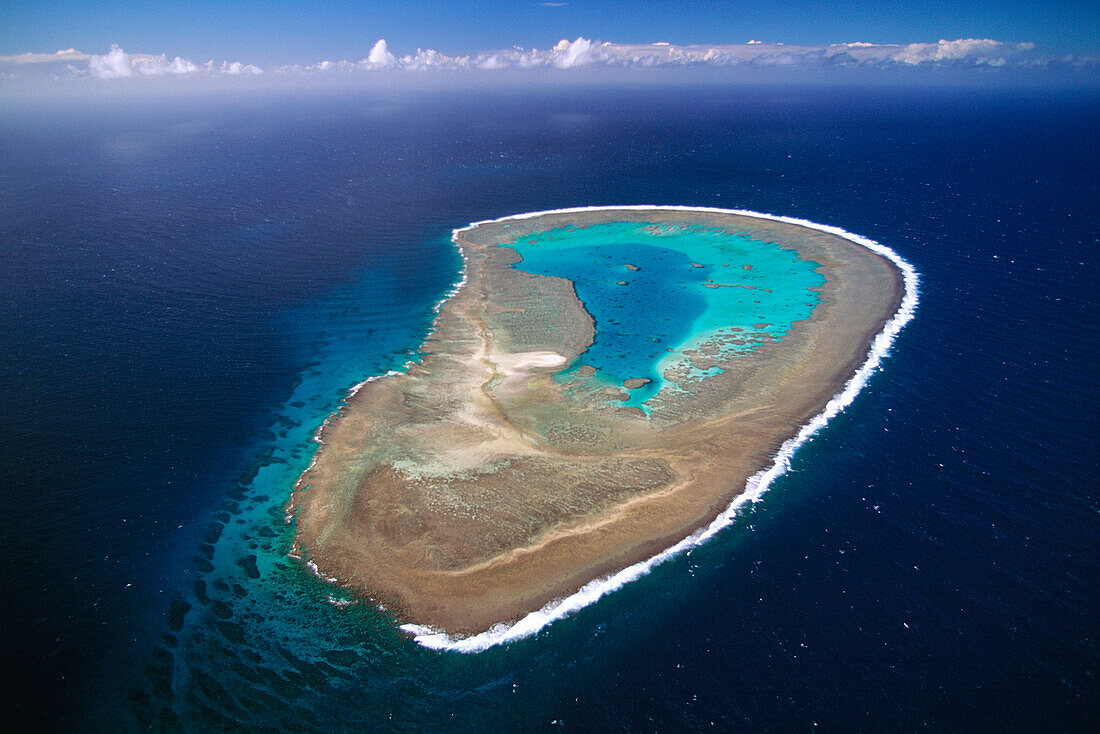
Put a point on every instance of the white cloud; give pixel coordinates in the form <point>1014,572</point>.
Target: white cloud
<point>236,68</point>
<point>578,53</point>
<point>493,61</point>
<point>432,59</point>
<point>182,66</point>
<point>979,50</point>
<point>333,66</point>
<point>380,55</point>
<point>159,65</point>
<point>115,64</point>
<point>65,54</point>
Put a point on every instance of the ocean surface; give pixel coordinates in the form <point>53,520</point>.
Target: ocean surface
<point>191,284</point>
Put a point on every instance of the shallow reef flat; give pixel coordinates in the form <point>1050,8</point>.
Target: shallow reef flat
<point>512,463</point>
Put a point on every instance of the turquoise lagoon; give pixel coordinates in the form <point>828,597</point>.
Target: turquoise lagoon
<point>650,315</point>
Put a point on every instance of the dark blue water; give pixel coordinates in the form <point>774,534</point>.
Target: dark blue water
<point>189,286</point>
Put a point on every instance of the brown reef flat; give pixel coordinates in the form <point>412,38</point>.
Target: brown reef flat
<point>475,488</point>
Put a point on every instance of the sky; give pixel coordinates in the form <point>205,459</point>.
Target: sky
<point>282,32</point>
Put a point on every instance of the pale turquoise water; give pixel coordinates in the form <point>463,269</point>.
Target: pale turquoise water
<point>646,319</point>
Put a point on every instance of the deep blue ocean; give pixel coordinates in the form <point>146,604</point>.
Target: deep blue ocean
<point>189,284</point>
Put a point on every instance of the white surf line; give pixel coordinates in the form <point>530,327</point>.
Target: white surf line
<point>756,486</point>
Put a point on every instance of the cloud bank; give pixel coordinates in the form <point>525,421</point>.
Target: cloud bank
<point>118,64</point>
<point>566,55</point>
<point>967,52</point>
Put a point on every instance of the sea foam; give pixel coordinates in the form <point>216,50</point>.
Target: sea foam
<point>756,486</point>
